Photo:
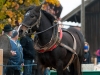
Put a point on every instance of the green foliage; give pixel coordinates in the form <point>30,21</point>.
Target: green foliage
<point>1,3</point>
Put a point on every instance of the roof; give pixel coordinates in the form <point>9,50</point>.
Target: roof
<point>67,24</point>
<point>74,11</point>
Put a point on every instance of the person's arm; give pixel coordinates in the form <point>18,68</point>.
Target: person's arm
<point>23,42</point>
<point>97,53</point>
<point>86,56</point>
<point>22,64</point>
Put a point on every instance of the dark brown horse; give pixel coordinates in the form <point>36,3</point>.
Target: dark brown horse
<point>67,53</point>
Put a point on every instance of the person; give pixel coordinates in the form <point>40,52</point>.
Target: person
<point>28,52</point>
<point>47,71</point>
<point>5,42</point>
<point>98,56</point>
<point>86,59</point>
<point>5,45</point>
<point>17,59</point>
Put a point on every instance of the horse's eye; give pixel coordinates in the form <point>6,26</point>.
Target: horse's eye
<point>32,16</point>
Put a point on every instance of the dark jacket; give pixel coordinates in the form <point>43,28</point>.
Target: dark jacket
<point>98,59</point>
<point>5,45</point>
<point>86,56</point>
<point>18,58</point>
<point>28,50</point>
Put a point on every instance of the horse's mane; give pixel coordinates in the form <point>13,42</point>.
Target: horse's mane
<point>30,8</point>
<point>49,16</point>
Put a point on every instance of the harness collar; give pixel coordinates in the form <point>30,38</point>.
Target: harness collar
<point>54,46</point>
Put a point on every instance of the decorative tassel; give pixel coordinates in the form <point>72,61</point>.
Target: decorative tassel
<point>54,2</point>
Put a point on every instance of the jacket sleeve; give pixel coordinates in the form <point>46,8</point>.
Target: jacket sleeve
<point>22,61</point>
<point>86,56</point>
<point>23,42</point>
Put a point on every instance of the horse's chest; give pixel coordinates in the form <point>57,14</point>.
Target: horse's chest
<point>47,59</point>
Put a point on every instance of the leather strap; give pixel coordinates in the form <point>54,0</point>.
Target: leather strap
<point>73,50</point>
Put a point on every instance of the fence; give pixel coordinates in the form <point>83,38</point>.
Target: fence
<point>1,62</point>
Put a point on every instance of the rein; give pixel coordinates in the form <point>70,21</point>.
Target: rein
<point>49,28</point>
<point>46,29</point>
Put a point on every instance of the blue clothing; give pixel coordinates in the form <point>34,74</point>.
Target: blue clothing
<point>85,47</point>
<point>4,70</point>
<point>98,59</point>
<point>28,69</point>
<point>18,58</point>
<point>46,71</point>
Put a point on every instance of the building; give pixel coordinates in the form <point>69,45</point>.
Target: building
<point>92,22</point>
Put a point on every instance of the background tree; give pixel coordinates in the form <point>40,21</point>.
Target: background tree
<point>12,10</point>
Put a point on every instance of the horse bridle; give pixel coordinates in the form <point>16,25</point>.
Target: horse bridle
<point>37,23</point>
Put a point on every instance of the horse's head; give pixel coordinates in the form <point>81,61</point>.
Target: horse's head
<point>31,18</point>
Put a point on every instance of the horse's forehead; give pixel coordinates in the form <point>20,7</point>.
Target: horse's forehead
<point>27,13</point>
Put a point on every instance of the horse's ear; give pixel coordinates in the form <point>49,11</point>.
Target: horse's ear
<point>31,7</point>
<point>38,8</point>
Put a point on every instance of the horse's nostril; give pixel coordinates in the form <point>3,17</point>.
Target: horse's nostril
<point>21,30</point>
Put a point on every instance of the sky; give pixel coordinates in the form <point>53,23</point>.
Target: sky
<point>68,6</point>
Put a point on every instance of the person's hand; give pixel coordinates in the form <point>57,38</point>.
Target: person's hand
<point>84,59</point>
<point>22,64</point>
<point>13,52</point>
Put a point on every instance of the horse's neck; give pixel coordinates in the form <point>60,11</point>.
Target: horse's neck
<point>45,37</point>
